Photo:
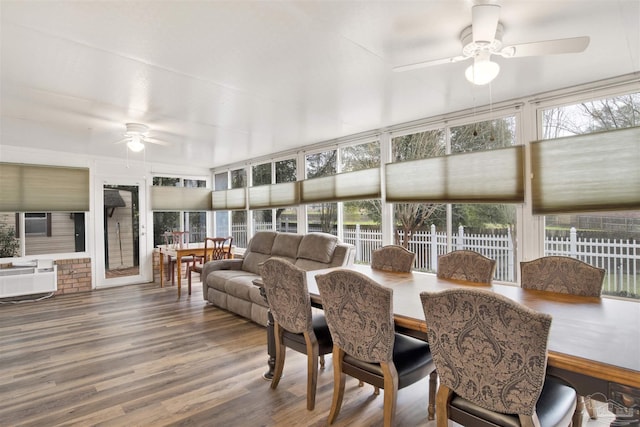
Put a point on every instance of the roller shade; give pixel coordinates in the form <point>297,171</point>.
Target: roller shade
<point>229,199</point>
<point>595,172</point>
<point>359,185</point>
<point>492,176</point>
<point>35,188</point>
<point>180,199</point>
<point>274,195</point>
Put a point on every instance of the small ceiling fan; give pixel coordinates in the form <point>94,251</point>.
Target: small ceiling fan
<point>136,135</point>
<point>483,38</point>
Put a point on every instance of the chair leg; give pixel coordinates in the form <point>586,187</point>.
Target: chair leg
<point>433,385</point>
<point>442,405</point>
<point>390,392</point>
<point>312,369</point>
<point>281,352</point>
<point>339,379</point>
<point>322,361</point>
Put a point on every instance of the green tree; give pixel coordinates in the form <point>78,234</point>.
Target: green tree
<point>9,245</point>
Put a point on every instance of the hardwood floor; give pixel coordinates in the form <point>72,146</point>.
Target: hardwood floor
<point>138,356</point>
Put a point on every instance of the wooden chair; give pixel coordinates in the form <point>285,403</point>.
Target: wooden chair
<point>393,258</point>
<point>466,265</point>
<point>491,356</point>
<point>562,274</point>
<point>295,326</point>
<point>220,249</point>
<point>175,238</point>
<point>365,346</point>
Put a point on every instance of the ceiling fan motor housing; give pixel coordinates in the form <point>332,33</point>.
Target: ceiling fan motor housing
<point>471,48</point>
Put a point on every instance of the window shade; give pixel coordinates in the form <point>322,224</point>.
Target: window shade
<point>34,188</point>
<point>363,184</point>
<point>274,195</point>
<point>492,176</point>
<point>229,199</point>
<point>180,198</point>
<point>595,172</point>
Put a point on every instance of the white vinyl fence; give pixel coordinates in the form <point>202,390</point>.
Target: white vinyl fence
<point>620,258</point>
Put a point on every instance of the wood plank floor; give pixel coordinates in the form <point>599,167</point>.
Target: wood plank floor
<point>138,356</point>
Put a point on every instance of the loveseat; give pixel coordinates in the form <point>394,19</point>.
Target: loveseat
<point>228,283</point>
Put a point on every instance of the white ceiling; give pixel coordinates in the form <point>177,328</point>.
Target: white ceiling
<point>223,81</point>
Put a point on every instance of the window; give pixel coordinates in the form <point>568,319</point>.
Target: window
<point>37,224</point>
<point>608,240</point>
<point>412,221</point>
<point>195,222</point>
<point>486,227</point>
<point>462,170</point>
<point>42,233</point>
<point>361,219</point>
<point>322,216</point>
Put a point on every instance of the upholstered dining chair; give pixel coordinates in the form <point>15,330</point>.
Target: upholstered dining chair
<point>466,265</point>
<point>220,249</point>
<point>562,274</point>
<point>359,312</point>
<point>491,356</point>
<point>295,325</point>
<point>393,258</point>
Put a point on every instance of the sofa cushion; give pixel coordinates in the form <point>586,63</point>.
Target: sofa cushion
<point>252,261</point>
<point>285,245</point>
<point>220,278</point>
<point>240,287</point>
<point>317,247</point>
<point>262,242</point>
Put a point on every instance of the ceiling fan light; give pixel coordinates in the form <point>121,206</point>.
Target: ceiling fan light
<point>134,144</point>
<point>482,71</point>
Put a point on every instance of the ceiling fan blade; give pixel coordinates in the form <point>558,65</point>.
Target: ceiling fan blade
<point>430,63</point>
<point>156,141</point>
<point>484,22</point>
<point>548,47</point>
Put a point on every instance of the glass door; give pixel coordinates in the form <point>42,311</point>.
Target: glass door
<point>121,245</point>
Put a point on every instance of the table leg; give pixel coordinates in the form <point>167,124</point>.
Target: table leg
<point>179,267</point>
<point>271,343</point>
<point>161,269</point>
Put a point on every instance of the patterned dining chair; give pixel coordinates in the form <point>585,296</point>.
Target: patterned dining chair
<point>491,356</point>
<point>220,249</point>
<point>466,265</point>
<point>359,312</point>
<point>393,258</point>
<point>295,325</point>
<point>562,274</point>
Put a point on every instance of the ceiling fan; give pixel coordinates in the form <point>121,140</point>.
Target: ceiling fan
<point>483,38</point>
<point>136,135</point>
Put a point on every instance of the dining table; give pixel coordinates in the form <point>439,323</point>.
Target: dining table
<point>179,251</point>
<point>594,342</point>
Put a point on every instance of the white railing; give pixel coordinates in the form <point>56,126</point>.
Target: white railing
<point>620,258</point>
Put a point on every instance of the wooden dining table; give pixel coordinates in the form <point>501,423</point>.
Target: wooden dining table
<point>179,251</point>
<point>594,343</point>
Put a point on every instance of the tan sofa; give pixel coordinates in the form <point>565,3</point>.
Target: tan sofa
<point>228,283</point>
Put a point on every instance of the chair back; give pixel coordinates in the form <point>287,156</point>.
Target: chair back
<point>220,248</point>
<point>466,265</point>
<point>488,348</point>
<point>393,258</point>
<point>562,274</point>
<point>285,286</point>
<point>359,313</point>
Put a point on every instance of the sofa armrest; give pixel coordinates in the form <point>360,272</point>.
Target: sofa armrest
<point>220,264</point>
<point>344,255</point>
